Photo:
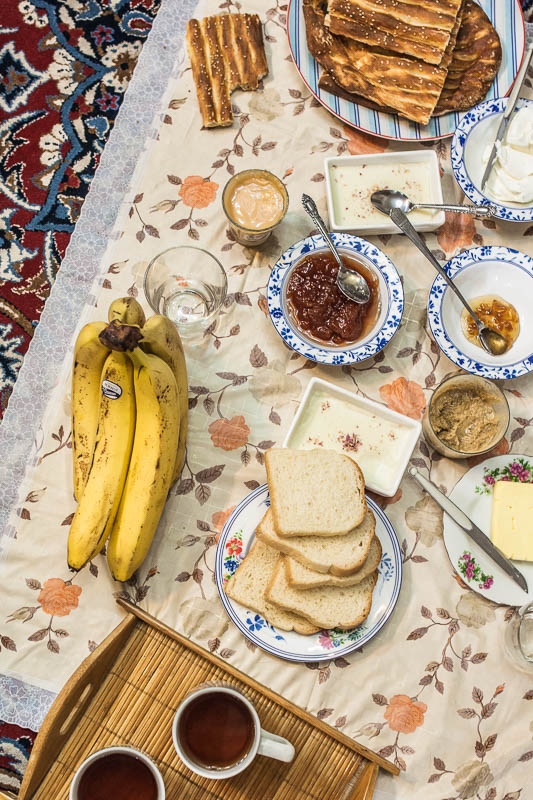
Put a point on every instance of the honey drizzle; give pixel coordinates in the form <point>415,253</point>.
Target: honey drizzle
<point>496,313</point>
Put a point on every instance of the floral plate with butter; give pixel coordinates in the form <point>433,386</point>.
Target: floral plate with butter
<point>378,439</point>
<point>235,541</point>
<point>474,495</point>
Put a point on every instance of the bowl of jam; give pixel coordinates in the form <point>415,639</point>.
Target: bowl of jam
<point>314,317</point>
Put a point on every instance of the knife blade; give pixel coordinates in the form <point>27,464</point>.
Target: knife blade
<point>471,530</point>
<point>509,108</point>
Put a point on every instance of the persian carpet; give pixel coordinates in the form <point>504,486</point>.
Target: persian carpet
<point>64,68</point>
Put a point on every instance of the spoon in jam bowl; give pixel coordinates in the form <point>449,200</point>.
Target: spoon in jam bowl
<point>491,341</point>
<point>351,283</point>
<point>387,199</point>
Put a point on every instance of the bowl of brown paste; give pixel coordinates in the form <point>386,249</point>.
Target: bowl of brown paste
<point>467,415</point>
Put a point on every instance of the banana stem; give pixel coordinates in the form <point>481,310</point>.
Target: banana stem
<point>124,338</point>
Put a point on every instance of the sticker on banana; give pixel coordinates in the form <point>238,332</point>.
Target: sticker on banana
<point>89,357</point>
<point>100,498</point>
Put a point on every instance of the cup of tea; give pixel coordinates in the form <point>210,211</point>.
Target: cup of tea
<point>217,733</point>
<point>120,773</point>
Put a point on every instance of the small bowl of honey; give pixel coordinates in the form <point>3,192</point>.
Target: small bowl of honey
<point>497,282</point>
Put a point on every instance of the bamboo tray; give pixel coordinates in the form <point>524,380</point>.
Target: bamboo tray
<point>127,692</point>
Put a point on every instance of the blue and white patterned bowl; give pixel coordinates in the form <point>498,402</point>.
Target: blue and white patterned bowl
<point>474,133</point>
<point>477,272</point>
<point>391,297</point>
<point>235,541</point>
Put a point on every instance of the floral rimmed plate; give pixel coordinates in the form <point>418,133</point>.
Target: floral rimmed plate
<point>473,495</point>
<point>235,542</point>
<point>390,294</point>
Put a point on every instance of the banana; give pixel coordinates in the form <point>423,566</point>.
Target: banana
<point>89,357</point>
<point>161,338</point>
<point>100,498</point>
<point>151,465</point>
<point>127,310</point>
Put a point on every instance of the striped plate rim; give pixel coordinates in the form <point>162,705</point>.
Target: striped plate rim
<point>506,16</point>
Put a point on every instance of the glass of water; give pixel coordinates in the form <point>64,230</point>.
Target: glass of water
<point>519,638</point>
<point>188,285</point>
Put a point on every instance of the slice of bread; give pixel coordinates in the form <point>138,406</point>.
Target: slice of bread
<point>301,577</point>
<point>327,606</point>
<point>338,555</point>
<point>314,492</point>
<point>247,587</point>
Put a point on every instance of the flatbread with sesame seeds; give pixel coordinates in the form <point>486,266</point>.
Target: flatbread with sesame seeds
<point>408,86</point>
<point>448,53</point>
<point>226,53</point>
<point>475,62</point>
<point>417,28</point>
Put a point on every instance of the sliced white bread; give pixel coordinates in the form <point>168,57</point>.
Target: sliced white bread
<point>301,577</point>
<point>338,555</point>
<point>314,492</point>
<point>248,584</point>
<point>327,606</point>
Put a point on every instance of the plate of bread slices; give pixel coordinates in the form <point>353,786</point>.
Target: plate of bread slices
<point>307,566</point>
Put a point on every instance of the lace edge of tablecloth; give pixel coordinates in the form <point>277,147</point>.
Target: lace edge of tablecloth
<point>137,122</point>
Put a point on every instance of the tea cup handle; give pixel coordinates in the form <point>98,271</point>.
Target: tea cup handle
<point>275,747</point>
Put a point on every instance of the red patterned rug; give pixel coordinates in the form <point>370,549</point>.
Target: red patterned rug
<point>64,68</point>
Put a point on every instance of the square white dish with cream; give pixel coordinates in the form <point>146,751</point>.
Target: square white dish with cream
<point>379,440</point>
<point>351,180</point>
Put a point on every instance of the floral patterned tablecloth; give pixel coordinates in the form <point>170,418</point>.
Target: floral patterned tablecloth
<point>433,691</point>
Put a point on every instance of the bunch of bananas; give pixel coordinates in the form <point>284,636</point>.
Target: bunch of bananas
<point>129,429</point>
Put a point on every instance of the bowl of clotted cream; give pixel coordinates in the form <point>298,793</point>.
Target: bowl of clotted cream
<point>509,188</point>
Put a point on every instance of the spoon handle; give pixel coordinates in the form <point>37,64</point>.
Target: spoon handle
<point>310,206</point>
<point>479,211</point>
<point>399,219</point>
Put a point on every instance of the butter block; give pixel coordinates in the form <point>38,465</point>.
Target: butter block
<point>512,519</point>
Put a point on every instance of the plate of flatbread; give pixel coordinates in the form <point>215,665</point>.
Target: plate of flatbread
<point>247,556</point>
<point>406,71</point>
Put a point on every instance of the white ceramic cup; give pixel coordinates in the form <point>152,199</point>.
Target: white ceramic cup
<point>264,743</point>
<point>107,751</point>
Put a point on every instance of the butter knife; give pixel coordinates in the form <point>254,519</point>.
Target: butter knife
<point>471,530</point>
<point>509,108</point>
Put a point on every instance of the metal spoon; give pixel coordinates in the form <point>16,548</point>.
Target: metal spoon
<point>349,282</point>
<point>389,199</point>
<point>491,341</point>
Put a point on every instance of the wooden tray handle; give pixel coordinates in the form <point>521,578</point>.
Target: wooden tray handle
<point>70,705</point>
